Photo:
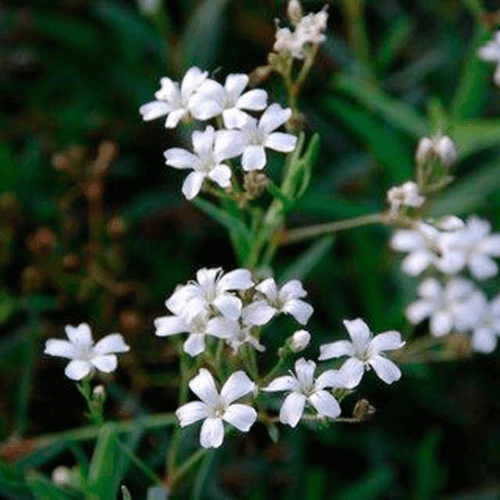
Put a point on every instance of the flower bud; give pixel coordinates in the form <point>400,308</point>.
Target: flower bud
<point>61,476</point>
<point>294,11</point>
<point>300,340</point>
<point>441,147</point>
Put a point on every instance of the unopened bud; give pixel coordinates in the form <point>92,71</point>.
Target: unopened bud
<point>363,410</point>
<point>441,147</point>
<point>300,340</point>
<point>255,183</point>
<point>99,393</point>
<point>61,476</point>
<point>294,11</point>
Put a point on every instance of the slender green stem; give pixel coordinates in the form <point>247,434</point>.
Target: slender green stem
<point>139,463</point>
<point>304,233</point>
<point>184,468</point>
<point>92,431</point>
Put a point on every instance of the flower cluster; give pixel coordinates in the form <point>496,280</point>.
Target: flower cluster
<point>450,246</point>
<point>308,31</point>
<point>238,134</point>
<point>233,308</point>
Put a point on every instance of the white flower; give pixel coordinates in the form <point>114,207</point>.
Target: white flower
<point>213,99</point>
<point>472,247</point>
<point>303,388</point>
<point>210,150</point>
<point>235,333</point>
<point>294,11</point>
<point>284,300</point>
<point>197,326</point>
<point>309,29</point>
<point>424,245</point>
<point>255,136</point>
<point>211,289</point>
<point>214,408</point>
<point>443,306</point>
<point>172,100</point>
<point>300,340</point>
<point>365,351</point>
<point>491,52</point>
<point>86,356</point>
<point>441,147</point>
<point>407,195</point>
<point>483,319</point>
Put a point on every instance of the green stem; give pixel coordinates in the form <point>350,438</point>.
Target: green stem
<point>139,463</point>
<point>304,233</point>
<point>184,468</point>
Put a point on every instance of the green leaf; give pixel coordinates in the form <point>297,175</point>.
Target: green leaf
<point>469,193</point>
<point>470,95</point>
<point>103,481</point>
<point>375,485</point>
<point>429,475</point>
<point>203,34</point>
<point>475,135</point>
<point>397,113</point>
<point>398,36</point>
<point>238,231</point>
<point>307,261</point>
<point>42,488</point>
<point>387,147</point>
<point>315,484</point>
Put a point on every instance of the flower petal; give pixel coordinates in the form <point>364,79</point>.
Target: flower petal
<point>236,386</point>
<point>62,348</point>
<point>221,175</point>
<point>258,313</point>
<point>179,158</point>
<point>170,325</point>
<point>351,373</point>
<point>110,344</point>
<point>223,328</point>
<point>239,279</point>
<point>285,383</point>
<point>441,323</point>
<point>386,341</point>
<point>305,372</point>
<point>336,350</point>
<point>292,409</point>
<point>273,117</point>
<point>418,311</point>
<point>279,141</point>
<point>228,305</point>
<point>235,85</point>
<point>484,340</point>
<point>269,289</point>
<point>385,369</point>
<point>325,404</point>
<point>430,289</point>
<point>106,363</point>
<point>191,412</point>
<point>174,117</point>
<point>192,184</point>
<point>212,433</point>
<point>291,290</point>
<point>228,144</point>
<point>482,267</point>
<point>235,118</point>
<point>359,332</point>
<point>254,158</point>
<point>76,369</point>
<point>192,81</point>
<point>416,262</point>
<point>299,309</point>
<point>79,335</point>
<point>195,344</point>
<point>203,385</point>
<point>154,109</point>
<point>406,240</point>
<point>254,100</point>
<point>240,416</point>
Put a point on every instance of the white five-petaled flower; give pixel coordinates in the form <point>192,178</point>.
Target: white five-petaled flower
<point>197,326</point>
<point>407,195</point>
<point>424,245</point>
<point>472,247</point>
<point>213,99</point>
<point>173,100</point>
<point>212,288</point>
<point>440,146</point>
<point>210,150</point>
<point>491,52</point>
<point>85,356</point>
<point>254,136</point>
<point>365,351</point>
<point>214,408</point>
<point>304,389</point>
<point>283,300</point>
<point>444,306</point>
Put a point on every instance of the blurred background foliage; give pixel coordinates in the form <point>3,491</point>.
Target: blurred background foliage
<point>94,228</point>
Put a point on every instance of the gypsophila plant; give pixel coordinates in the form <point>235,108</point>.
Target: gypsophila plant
<point>223,323</point>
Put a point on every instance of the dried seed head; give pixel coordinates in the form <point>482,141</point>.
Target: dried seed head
<point>255,183</point>
<point>363,410</point>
